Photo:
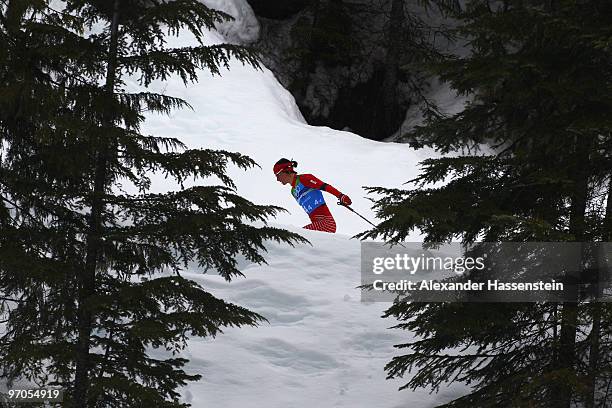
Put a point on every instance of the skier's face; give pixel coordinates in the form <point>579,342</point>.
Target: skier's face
<point>284,177</point>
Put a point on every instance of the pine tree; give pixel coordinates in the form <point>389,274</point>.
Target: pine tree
<point>90,275</point>
<point>539,82</point>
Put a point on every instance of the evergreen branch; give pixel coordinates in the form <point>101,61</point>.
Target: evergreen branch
<point>190,163</point>
<point>174,15</point>
<point>133,144</point>
<point>153,102</point>
<point>184,62</point>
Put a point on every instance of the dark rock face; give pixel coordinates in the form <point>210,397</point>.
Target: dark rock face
<point>360,108</point>
<point>278,9</point>
<point>339,62</point>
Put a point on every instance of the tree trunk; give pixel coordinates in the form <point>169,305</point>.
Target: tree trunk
<point>594,354</point>
<point>594,351</point>
<point>15,10</point>
<point>388,110</point>
<point>87,280</point>
<point>567,352</point>
<point>562,396</point>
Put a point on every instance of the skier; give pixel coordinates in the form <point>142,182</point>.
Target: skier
<point>306,189</point>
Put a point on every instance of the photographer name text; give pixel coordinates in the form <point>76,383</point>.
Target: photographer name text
<point>491,285</point>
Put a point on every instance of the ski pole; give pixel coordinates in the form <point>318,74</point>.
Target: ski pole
<point>365,219</point>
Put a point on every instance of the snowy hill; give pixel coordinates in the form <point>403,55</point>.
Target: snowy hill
<point>322,346</point>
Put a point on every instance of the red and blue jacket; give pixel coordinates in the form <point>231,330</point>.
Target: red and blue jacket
<point>307,189</point>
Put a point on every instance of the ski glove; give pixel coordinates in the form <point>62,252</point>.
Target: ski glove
<point>344,200</point>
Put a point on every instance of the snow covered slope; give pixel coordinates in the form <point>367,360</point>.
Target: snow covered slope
<point>322,347</point>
